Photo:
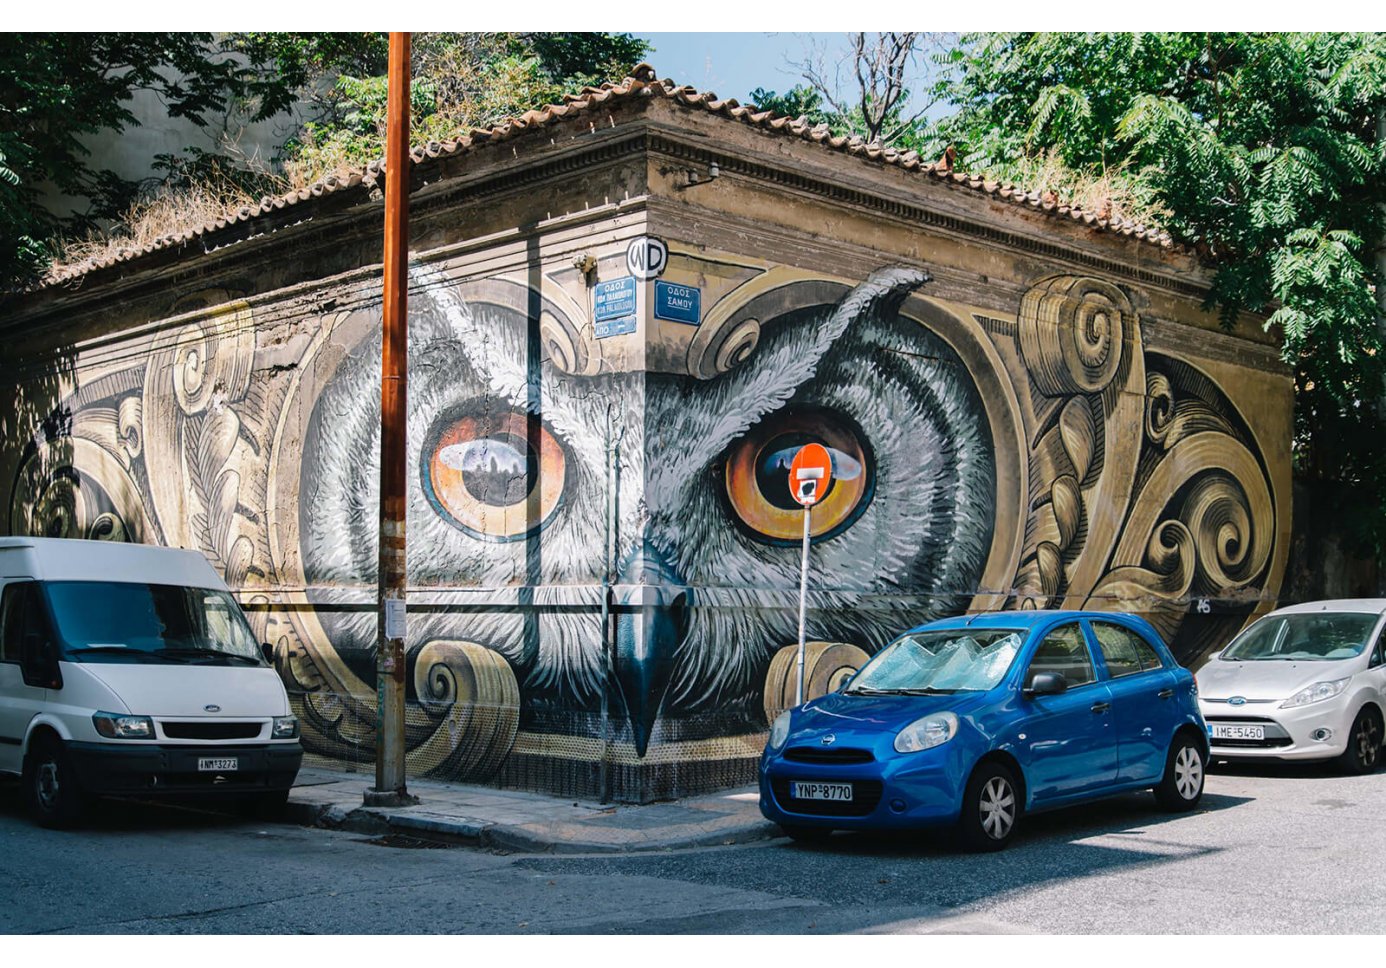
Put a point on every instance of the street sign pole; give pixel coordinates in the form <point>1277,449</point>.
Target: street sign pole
<point>803,600</point>
<point>810,475</point>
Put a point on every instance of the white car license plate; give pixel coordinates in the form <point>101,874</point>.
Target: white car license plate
<point>803,790</point>
<point>224,764</point>
<point>1228,731</point>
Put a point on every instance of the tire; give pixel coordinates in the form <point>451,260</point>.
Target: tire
<point>1363,753</point>
<point>990,808</point>
<point>51,789</point>
<point>265,806</point>
<point>1186,767</point>
<point>806,835</point>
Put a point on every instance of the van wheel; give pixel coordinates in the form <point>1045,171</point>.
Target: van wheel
<point>54,796</point>
<point>1182,785</point>
<point>990,808</point>
<point>1363,752</point>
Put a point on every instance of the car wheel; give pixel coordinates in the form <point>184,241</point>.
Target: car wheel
<point>990,808</point>
<point>1185,767</point>
<point>806,835</point>
<point>1363,753</point>
<point>54,796</point>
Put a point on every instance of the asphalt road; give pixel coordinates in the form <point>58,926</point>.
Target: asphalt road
<point>1272,850</point>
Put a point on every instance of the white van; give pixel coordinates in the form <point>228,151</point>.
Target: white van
<point>130,670</point>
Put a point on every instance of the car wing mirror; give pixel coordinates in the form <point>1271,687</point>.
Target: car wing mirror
<point>1047,684</point>
<point>267,651</point>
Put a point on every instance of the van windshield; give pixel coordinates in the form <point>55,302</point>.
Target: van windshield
<point>954,660</point>
<point>99,621</point>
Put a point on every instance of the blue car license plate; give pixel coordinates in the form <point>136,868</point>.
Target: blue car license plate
<point>804,790</point>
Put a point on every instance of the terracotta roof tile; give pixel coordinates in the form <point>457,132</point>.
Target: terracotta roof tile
<point>643,83</point>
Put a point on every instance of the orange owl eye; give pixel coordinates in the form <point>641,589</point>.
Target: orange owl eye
<point>498,477</point>
<point>757,476</point>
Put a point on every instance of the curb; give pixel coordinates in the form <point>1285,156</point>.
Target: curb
<point>378,821</point>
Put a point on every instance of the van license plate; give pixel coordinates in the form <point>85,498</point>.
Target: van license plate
<point>801,790</point>
<point>223,765</point>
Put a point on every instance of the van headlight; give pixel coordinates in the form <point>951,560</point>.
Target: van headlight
<point>285,727</point>
<point>924,734</point>
<point>1317,692</point>
<point>779,730</point>
<point>116,726</point>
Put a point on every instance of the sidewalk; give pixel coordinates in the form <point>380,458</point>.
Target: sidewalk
<point>528,822</point>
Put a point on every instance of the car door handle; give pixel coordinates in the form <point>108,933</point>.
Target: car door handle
<point>1165,693</point>
<point>1101,707</point>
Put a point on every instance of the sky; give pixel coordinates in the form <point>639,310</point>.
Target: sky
<point>734,64</point>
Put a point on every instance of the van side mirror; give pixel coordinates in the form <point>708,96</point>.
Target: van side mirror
<point>267,651</point>
<point>38,661</point>
<point>1046,684</point>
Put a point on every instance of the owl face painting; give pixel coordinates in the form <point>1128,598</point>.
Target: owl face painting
<point>545,490</point>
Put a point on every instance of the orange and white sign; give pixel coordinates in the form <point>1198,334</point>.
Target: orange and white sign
<point>810,474</point>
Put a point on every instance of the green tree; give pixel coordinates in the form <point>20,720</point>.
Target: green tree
<point>1262,151</point>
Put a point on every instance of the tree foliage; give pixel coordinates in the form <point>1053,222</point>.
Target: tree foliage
<point>58,90</point>
<point>1263,151</point>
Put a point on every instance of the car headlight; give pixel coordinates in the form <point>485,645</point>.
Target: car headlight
<point>285,727</point>
<point>924,734</point>
<point>1317,692</point>
<point>779,730</point>
<point>116,726</point>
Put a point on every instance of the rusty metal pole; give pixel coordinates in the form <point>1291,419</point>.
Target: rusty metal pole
<point>394,397</point>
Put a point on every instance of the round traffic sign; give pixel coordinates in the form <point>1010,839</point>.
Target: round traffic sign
<point>810,474</point>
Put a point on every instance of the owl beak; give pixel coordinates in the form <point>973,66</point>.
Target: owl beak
<point>651,615</point>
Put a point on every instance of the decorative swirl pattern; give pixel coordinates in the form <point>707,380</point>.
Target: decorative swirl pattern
<point>718,349</point>
<point>1073,332</point>
<point>207,364</point>
<point>472,701</point>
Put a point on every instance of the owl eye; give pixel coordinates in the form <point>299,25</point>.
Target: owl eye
<point>497,477</point>
<point>757,476</point>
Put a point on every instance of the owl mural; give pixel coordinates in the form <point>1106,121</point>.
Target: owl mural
<point>671,489</point>
<point>603,552</point>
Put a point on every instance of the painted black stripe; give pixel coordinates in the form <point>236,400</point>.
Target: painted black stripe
<point>10,741</point>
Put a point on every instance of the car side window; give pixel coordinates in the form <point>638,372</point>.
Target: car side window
<point>1379,653</point>
<point>1063,651</point>
<point>1124,651</point>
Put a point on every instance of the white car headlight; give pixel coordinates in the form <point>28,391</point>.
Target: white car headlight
<point>779,730</point>
<point>1317,692</point>
<point>924,734</point>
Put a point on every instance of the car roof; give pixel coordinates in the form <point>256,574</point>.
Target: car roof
<point>1374,606</point>
<point>1025,619</point>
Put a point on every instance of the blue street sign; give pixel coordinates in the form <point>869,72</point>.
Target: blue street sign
<point>614,298</point>
<point>615,327</point>
<point>682,304</point>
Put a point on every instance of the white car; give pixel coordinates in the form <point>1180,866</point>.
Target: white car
<point>1302,683</point>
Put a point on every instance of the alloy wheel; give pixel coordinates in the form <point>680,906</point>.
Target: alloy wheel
<point>997,807</point>
<point>1368,741</point>
<point>1188,772</point>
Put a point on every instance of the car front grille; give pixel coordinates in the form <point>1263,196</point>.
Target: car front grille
<point>819,754</point>
<point>866,794</point>
<point>213,729</point>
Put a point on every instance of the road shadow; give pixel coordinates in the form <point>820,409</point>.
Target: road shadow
<point>1286,769</point>
<point>113,815</point>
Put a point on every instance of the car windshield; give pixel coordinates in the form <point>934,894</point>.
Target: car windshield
<point>1310,636</point>
<point>100,621</point>
<point>955,660</point>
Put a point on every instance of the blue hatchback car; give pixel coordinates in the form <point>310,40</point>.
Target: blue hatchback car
<point>974,721</point>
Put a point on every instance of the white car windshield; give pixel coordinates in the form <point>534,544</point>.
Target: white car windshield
<point>953,660</point>
<point>1304,636</point>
